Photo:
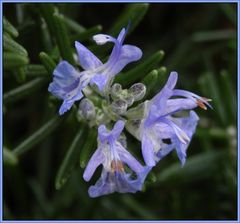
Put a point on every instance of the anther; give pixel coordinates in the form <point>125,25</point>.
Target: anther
<point>201,104</point>
<point>117,166</point>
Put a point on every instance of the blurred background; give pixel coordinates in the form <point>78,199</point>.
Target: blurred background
<point>43,167</point>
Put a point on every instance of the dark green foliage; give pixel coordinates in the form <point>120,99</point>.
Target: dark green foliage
<point>70,159</point>
<point>43,152</point>
<point>141,70</point>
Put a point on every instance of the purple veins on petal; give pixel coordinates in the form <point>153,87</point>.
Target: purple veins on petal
<point>65,85</point>
<point>114,157</point>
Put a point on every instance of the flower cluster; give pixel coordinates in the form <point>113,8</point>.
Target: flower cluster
<point>68,83</point>
<point>161,126</point>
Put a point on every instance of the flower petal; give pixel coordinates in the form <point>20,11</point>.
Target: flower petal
<point>128,159</point>
<point>96,159</point>
<point>102,187</point>
<point>183,137</point>
<point>100,80</point>
<point>112,135</point>
<point>121,182</point>
<point>165,150</point>
<point>65,70</point>
<point>66,105</point>
<point>148,151</point>
<point>117,129</point>
<point>66,79</point>
<point>194,97</point>
<point>103,133</point>
<point>181,152</point>
<point>101,39</point>
<point>161,98</point>
<point>65,85</point>
<point>163,131</point>
<point>86,58</point>
<point>188,124</point>
<point>179,104</point>
<point>127,54</point>
<point>122,35</point>
<point>141,176</point>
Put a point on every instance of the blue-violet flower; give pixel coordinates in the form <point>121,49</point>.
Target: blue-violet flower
<point>162,130</point>
<point>114,157</point>
<point>68,82</point>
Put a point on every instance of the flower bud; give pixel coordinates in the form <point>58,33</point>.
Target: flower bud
<point>129,99</point>
<point>119,106</point>
<point>86,109</point>
<point>116,90</point>
<point>138,91</point>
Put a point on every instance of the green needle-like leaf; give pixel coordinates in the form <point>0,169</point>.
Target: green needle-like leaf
<point>87,34</point>
<point>71,24</point>
<point>133,13</point>
<point>58,29</point>
<point>13,60</point>
<point>140,70</point>
<point>46,37</point>
<point>212,133</point>
<point>137,207</point>
<point>214,35</point>
<point>160,82</point>
<point>9,157</point>
<point>150,78</point>
<point>24,90</point>
<point>70,159</point>
<point>62,38</point>
<point>214,94</point>
<point>155,80</point>
<point>149,81</point>
<point>48,62</point>
<point>12,46</point>
<point>88,147</point>
<point>20,74</point>
<point>39,135</point>
<point>228,95</point>
<point>9,28</point>
<point>35,70</point>
<point>47,11</point>
<point>197,167</point>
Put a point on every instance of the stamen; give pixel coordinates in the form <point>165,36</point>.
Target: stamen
<point>201,104</point>
<point>183,137</point>
<point>206,99</point>
<point>117,166</point>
